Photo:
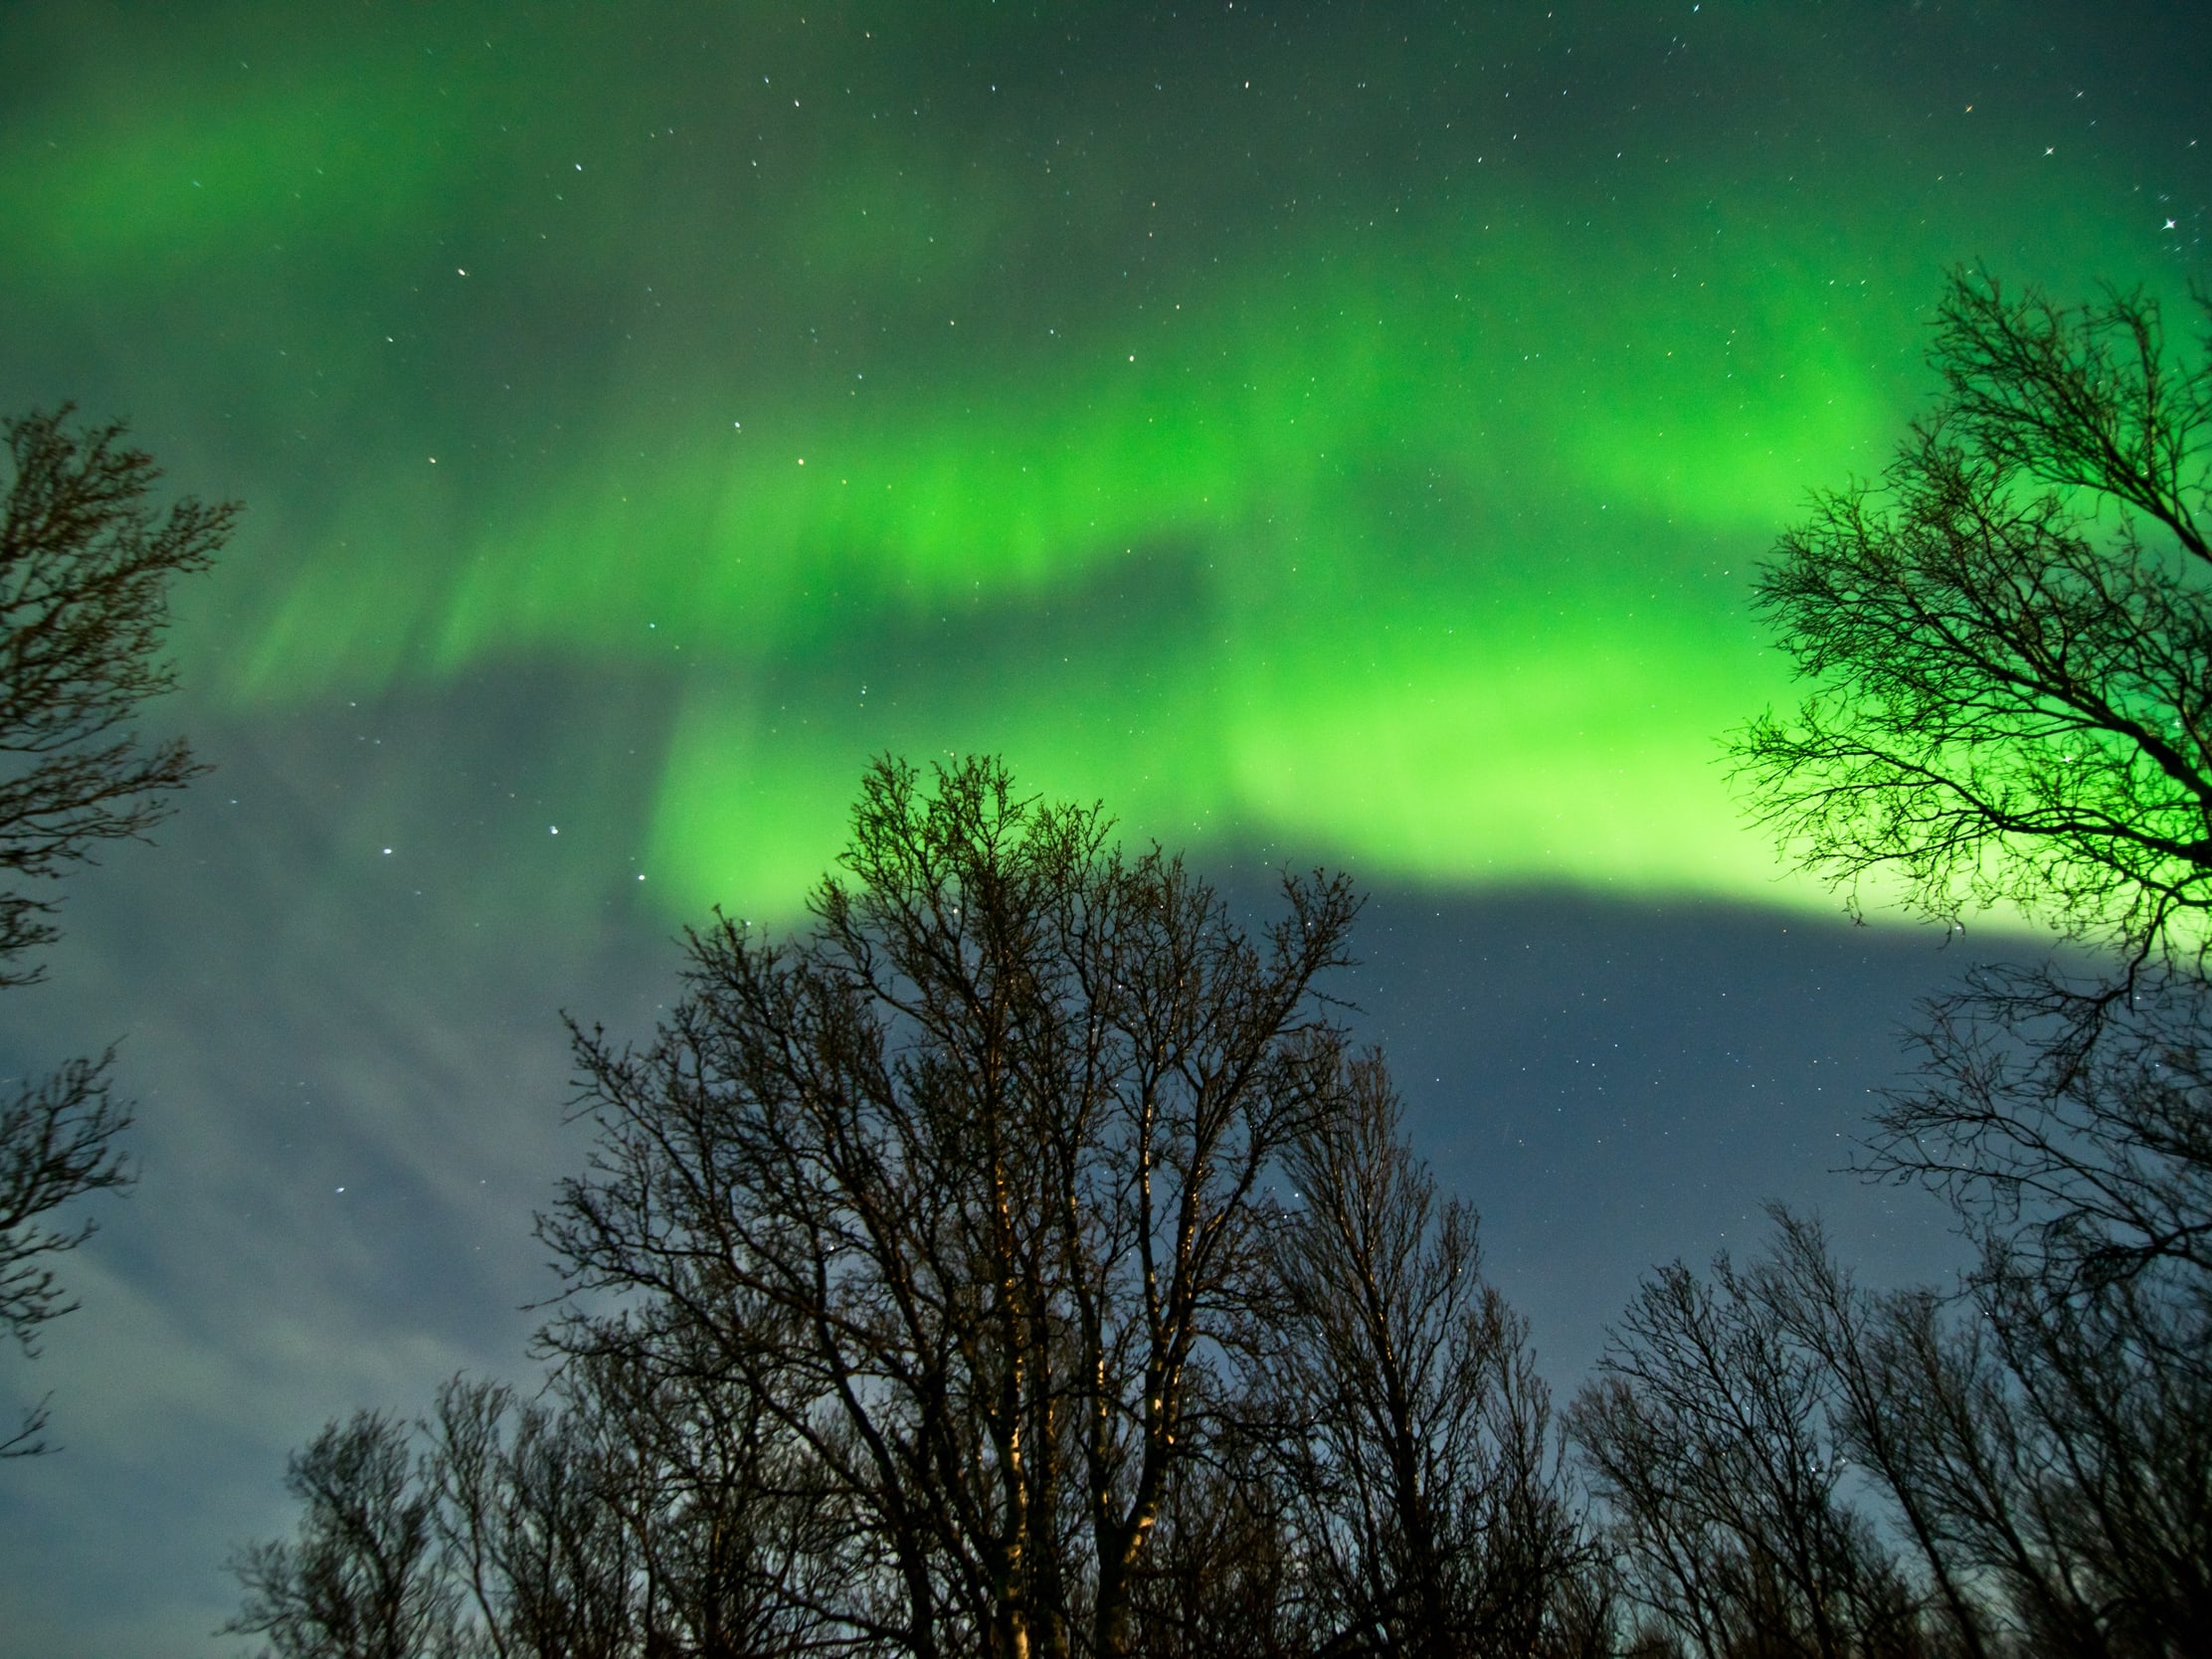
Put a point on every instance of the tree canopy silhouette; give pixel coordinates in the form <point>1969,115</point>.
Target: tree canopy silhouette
<point>1016,1261</point>
<point>966,1184</point>
<point>2008,636</point>
<point>86,564</point>
<point>2011,648</point>
<point>2010,643</point>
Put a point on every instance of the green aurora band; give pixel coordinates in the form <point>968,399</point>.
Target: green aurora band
<point>1398,509</point>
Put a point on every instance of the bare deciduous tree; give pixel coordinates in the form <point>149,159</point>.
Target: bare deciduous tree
<point>935,1291</point>
<point>964,1185</point>
<point>1410,1427</point>
<point>2011,646</point>
<point>361,1579</point>
<point>58,1142</point>
<point>2008,638</point>
<point>1709,1435</point>
<point>2032,1473</point>
<point>2072,1120</point>
<point>85,563</point>
<point>1226,1572</point>
<point>525,1501</point>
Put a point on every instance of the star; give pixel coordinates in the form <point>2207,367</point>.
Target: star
<point>2169,225</point>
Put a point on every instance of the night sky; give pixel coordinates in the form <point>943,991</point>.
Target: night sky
<point>1331,434</point>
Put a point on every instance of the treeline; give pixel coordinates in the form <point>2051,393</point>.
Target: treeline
<point>1021,1260</point>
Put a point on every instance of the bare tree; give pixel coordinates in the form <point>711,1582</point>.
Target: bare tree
<point>612,1518</point>
<point>2112,1439</point>
<point>2072,1118</point>
<point>1709,1435</point>
<point>524,1502</point>
<point>58,1135</point>
<point>2049,1461</point>
<point>738,1543</point>
<point>1895,1377</point>
<point>1227,1572</point>
<point>85,563</point>
<point>362,1580</point>
<point>2009,636</point>
<point>1409,1427</point>
<point>964,1187</point>
<point>1795,1466</point>
<point>933,1292</point>
<point>2011,648</point>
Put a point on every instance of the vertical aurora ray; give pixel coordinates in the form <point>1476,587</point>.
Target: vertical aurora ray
<point>1350,432</point>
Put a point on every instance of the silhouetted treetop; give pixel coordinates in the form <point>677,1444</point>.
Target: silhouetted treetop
<point>85,562</point>
<point>2008,636</point>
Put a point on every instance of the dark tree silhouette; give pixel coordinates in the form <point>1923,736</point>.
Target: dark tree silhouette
<point>1226,1572</point>
<point>361,1579</point>
<point>528,1504</point>
<point>1406,1424</point>
<point>591,1523</point>
<point>1707,1435</point>
<point>938,1290</point>
<point>85,562</point>
<point>2008,637</point>
<point>1795,1466</point>
<point>965,1185</point>
<point>2010,642</point>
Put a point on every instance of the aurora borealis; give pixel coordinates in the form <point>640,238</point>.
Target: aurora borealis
<point>1345,428</point>
<point>1323,432</point>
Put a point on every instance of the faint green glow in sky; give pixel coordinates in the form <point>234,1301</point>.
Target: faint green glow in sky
<point>1365,465</point>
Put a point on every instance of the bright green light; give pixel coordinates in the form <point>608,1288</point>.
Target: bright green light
<point>1416,537</point>
<point>1454,606</point>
